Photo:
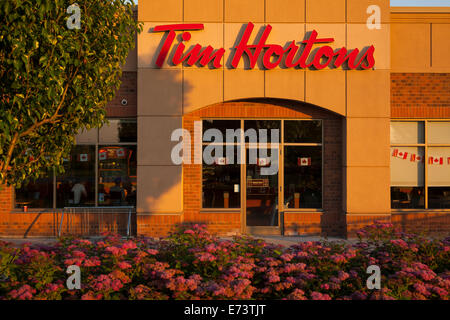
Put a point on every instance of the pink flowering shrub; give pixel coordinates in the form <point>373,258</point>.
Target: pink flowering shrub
<point>193,264</point>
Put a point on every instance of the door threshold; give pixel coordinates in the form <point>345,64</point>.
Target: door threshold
<point>263,231</point>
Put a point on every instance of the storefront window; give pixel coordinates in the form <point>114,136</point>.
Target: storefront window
<point>117,175</point>
<point>221,182</point>
<point>420,164</point>
<point>36,194</point>
<point>303,131</point>
<point>118,130</point>
<point>407,132</point>
<point>266,125</point>
<point>76,186</point>
<point>221,125</point>
<point>303,164</point>
<point>407,177</point>
<point>439,177</point>
<point>114,164</point>
<point>439,132</point>
<point>303,177</point>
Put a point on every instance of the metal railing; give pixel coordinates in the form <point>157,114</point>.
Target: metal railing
<point>93,221</point>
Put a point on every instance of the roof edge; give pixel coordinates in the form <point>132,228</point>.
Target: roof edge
<point>420,9</point>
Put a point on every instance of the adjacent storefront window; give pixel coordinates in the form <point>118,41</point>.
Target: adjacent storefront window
<point>36,194</point>
<point>420,164</point>
<point>76,186</point>
<point>116,175</point>
<point>100,171</point>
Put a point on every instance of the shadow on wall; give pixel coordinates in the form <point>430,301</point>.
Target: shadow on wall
<point>428,224</point>
<point>432,224</point>
<point>160,105</point>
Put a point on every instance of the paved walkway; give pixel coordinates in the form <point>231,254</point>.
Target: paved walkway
<point>291,240</point>
<point>39,241</point>
<point>278,240</point>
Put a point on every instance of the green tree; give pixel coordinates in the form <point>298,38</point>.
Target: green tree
<point>56,79</point>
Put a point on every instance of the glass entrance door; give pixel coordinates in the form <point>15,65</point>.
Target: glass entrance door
<point>262,190</point>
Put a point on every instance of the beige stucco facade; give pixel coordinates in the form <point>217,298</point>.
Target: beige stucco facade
<point>405,42</point>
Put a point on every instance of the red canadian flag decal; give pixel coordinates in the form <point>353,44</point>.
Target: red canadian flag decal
<point>263,162</point>
<point>436,160</point>
<point>83,157</point>
<point>221,161</point>
<point>120,153</point>
<point>400,154</point>
<point>102,155</point>
<point>303,162</point>
<point>416,158</point>
<point>272,55</point>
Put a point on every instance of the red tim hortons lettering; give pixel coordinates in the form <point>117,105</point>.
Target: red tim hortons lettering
<point>196,54</point>
<point>343,55</point>
<point>272,54</point>
<point>243,46</point>
<point>171,28</point>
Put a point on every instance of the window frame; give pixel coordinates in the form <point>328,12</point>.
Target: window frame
<point>426,145</point>
<point>96,145</point>
<point>281,145</point>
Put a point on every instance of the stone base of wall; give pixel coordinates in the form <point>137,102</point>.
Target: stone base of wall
<point>29,224</point>
<point>156,225</point>
<point>357,222</point>
<point>47,224</point>
<point>313,224</point>
<point>16,224</point>
<point>432,224</point>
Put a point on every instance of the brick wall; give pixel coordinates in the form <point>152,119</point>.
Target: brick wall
<point>128,91</point>
<point>357,222</point>
<point>420,95</point>
<point>430,223</point>
<point>329,222</point>
<point>157,225</point>
<point>45,223</point>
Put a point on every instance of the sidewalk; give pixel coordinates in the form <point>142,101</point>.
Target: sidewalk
<point>291,240</point>
<point>277,240</point>
<point>34,241</point>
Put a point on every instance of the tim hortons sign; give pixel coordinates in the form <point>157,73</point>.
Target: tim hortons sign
<point>273,55</point>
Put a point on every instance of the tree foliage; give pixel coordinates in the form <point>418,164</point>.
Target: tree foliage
<point>55,80</point>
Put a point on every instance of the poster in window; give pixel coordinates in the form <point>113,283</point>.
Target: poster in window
<point>83,157</point>
<point>304,162</point>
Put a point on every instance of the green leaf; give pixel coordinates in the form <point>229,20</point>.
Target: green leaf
<point>41,55</point>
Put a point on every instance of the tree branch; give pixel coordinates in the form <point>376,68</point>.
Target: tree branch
<point>9,155</point>
<point>54,116</point>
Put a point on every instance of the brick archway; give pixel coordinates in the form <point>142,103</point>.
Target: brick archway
<point>330,221</point>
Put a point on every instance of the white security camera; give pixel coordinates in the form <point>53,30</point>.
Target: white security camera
<point>124,102</point>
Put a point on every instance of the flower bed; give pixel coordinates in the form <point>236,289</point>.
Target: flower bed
<point>193,264</point>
